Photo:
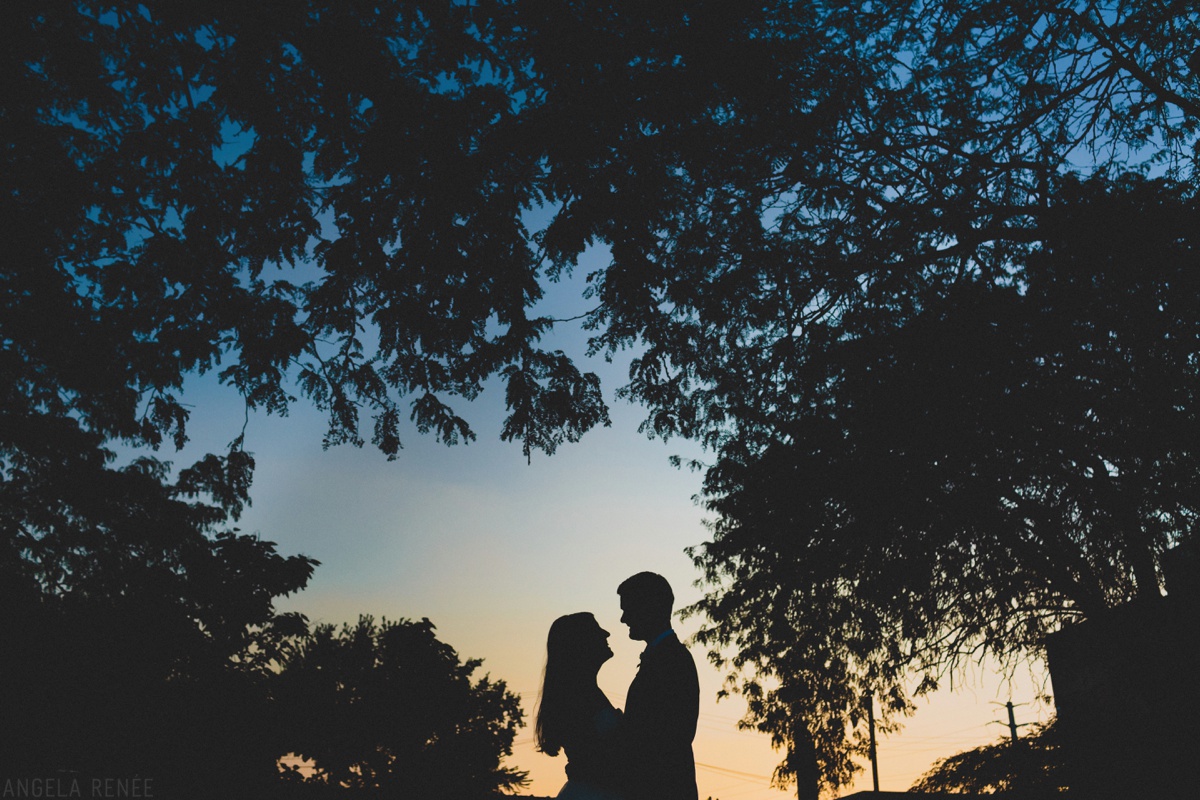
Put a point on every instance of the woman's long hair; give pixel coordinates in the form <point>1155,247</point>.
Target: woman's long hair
<point>564,681</point>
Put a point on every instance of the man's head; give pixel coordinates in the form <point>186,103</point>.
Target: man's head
<point>646,602</point>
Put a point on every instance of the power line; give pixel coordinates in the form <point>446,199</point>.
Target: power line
<point>735,773</point>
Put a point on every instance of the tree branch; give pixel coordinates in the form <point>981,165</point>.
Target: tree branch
<point>1122,58</point>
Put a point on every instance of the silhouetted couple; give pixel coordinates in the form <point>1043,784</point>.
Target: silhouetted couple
<point>647,751</point>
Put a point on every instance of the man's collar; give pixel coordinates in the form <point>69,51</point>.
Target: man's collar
<point>656,640</point>
<point>660,637</point>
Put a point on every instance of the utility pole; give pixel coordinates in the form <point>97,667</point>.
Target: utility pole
<point>1018,774</point>
<point>1012,723</point>
<point>871,730</point>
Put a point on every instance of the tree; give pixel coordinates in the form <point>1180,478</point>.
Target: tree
<point>331,199</point>
<point>967,468</point>
<point>888,161</point>
<point>388,710</point>
<point>1032,766</point>
<point>140,629</point>
<point>158,177</point>
<point>169,170</point>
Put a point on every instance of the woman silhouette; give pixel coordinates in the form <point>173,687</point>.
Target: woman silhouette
<point>573,714</point>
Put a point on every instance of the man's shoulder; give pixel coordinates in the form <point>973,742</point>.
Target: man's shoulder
<point>672,645</point>
<point>672,654</point>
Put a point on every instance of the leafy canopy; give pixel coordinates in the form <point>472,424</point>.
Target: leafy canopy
<point>338,192</point>
<point>1032,766</point>
<point>808,208</point>
<point>388,708</point>
<point>967,469</point>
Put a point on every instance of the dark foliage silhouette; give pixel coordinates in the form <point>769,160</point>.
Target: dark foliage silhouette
<point>139,629</point>
<point>170,170</point>
<point>327,201</point>
<point>968,467</point>
<point>154,182</point>
<point>1030,768</point>
<point>388,710</point>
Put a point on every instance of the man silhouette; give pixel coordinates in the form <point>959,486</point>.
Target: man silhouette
<point>663,701</point>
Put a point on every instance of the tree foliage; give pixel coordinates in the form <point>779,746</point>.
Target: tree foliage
<point>388,710</point>
<point>968,469</point>
<point>140,628</point>
<point>812,210</point>
<point>1031,767</point>
<point>170,170</point>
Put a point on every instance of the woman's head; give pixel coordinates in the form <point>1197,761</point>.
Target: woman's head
<point>575,649</point>
<point>576,641</point>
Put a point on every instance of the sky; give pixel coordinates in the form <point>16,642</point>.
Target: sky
<point>492,548</point>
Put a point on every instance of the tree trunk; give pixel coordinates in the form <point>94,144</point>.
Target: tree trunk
<point>804,759</point>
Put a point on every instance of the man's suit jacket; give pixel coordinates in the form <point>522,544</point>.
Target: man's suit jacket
<point>659,724</point>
